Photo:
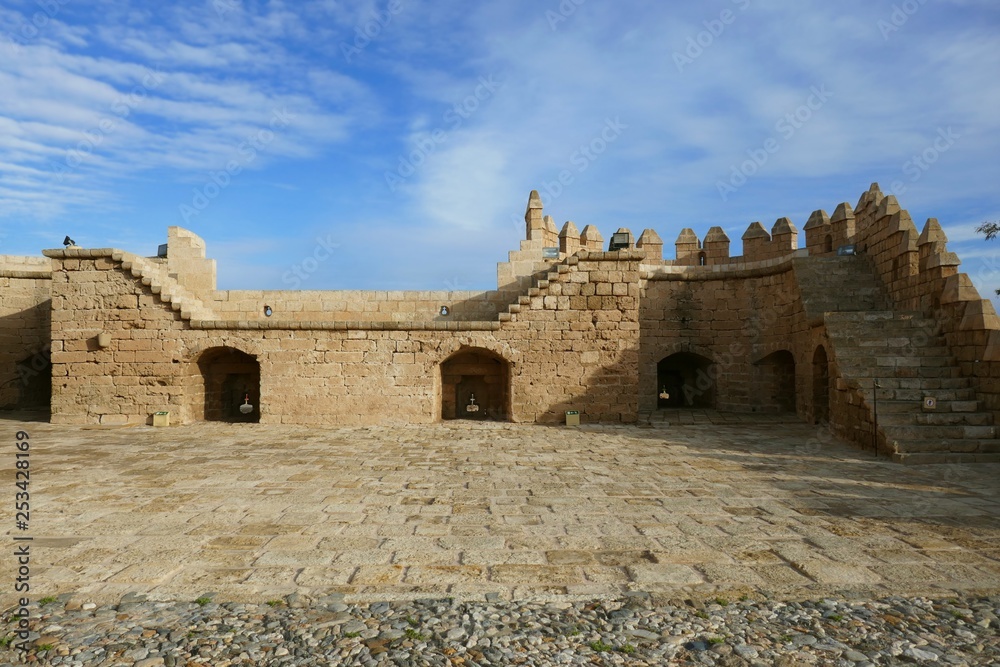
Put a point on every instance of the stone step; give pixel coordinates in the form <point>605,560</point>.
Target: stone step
<point>917,395</point>
<point>952,445</point>
<point>937,418</point>
<point>959,407</point>
<point>919,418</point>
<point>868,356</point>
<point>875,328</point>
<point>872,334</point>
<point>885,318</point>
<point>902,371</point>
<point>890,407</point>
<point>931,458</point>
<point>865,374</point>
<point>929,385</point>
<point>907,434</point>
<point>857,346</point>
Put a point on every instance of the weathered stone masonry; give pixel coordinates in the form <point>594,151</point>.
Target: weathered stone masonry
<point>571,326</point>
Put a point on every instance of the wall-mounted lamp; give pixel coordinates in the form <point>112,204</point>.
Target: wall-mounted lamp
<point>619,241</point>
<point>444,310</point>
<point>267,311</point>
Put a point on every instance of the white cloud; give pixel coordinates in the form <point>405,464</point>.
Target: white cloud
<point>687,129</point>
<point>169,104</point>
<point>225,72</point>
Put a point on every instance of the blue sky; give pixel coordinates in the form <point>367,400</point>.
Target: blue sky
<point>409,133</point>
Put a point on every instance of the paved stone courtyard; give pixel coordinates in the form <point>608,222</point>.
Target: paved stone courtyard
<point>694,503</point>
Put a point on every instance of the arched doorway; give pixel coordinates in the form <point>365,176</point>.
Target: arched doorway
<point>231,379</point>
<point>475,384</point>
<point>687,380</point>
<point>821,386</point>
<point>777,382</point>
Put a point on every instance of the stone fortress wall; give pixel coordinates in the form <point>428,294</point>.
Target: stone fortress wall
<point>614,334</point>
<point>25,307</point>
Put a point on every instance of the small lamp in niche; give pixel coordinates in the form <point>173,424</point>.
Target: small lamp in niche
<point>619,241</point>
<point>267,311</point>
<point>444,311</point>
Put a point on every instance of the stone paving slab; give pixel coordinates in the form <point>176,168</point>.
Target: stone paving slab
<point>694,503</point>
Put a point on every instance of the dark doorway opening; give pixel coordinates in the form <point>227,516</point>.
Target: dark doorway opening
<point>232,379</point>
<point>475,384</point>
<point>36,381</point>
<point>31,387</point>
<point>777,382</point>
<point>685,380</point>
<point>821,386</point>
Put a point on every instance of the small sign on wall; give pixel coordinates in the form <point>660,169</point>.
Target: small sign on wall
<point>930,403</point>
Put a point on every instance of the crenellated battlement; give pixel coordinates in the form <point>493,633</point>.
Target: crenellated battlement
<point>917,270</point>
<point>543,246</point>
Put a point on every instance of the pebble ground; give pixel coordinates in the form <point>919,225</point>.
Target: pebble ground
<point>634,630</point>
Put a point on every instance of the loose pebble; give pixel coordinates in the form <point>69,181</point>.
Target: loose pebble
<point>628,631</point>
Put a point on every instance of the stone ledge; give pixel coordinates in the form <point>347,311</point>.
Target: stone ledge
<point>26,274</point>
<point>610,256</point>
<point>757,269</point>
<point>25,266</point>
<point>79,253</point>
<point>344,325</point>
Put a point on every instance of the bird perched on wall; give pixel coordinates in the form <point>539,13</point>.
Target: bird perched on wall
<point>68,242</point>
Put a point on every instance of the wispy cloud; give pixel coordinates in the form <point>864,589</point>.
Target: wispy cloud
<point>78,115</point>
<point>227,65</point>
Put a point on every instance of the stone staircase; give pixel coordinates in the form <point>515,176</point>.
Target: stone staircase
<point>834,284</point>
<point>909,358</point>
<point>169,291</point>
<point>539,288</point>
